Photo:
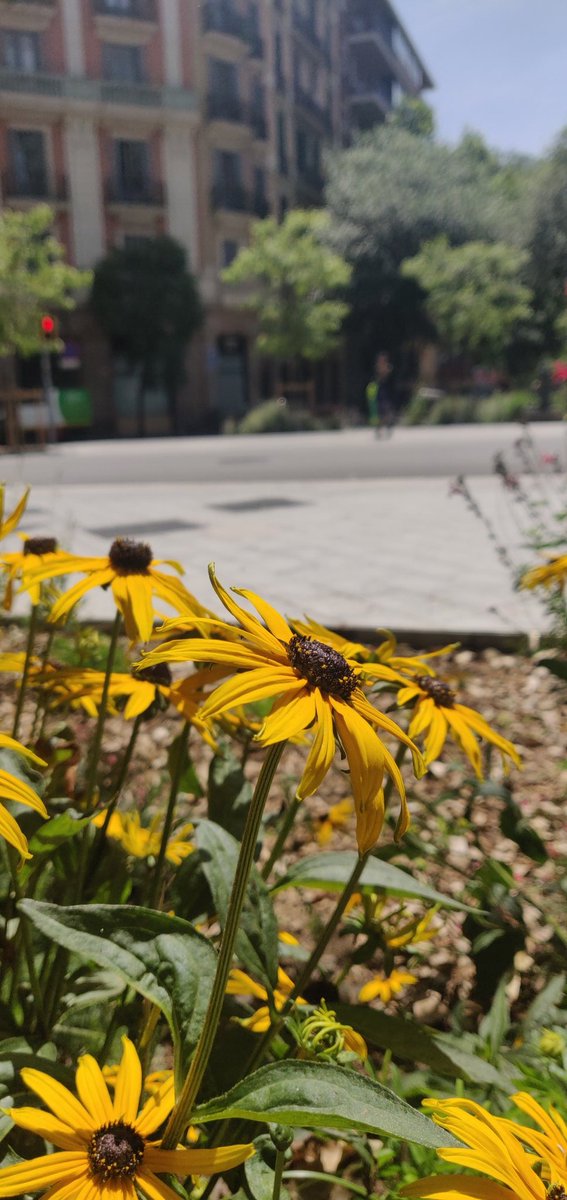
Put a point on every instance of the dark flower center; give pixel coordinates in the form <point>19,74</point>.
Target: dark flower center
<point>439,691</point>
<point>160,674</point>
<point>115,1151</point>
<point>322,666</point>
<point>44,545</point>
<point>556,1192</point>
<point>133,558</point>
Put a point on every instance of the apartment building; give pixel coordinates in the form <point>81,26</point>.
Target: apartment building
<point>191,117</point>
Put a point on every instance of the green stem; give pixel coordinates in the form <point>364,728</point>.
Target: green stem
<point>41,706</point>
<point>124,765</point>
<point>181,1114</point>
<point>281,838</point>
<point>27,943</point>
<point>97,740</point>
<point>32,629</point>
<point>278,1174</point>
<point>176,773</point>
<point>322,1177</point>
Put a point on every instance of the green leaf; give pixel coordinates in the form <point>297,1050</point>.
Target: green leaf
<point>50,836</point>
<point>514,826</point>
<point>323,1095</point>
<point>418,1044</point>
<point>257,939</point>
<point>332,870</point>
<point>229,793</point>
<point>542,1009</point>
<point>163,958</point>
<point>495,1025</point>
<point>188,780</point>
<point>557,666</point>
<point>260,1170</point>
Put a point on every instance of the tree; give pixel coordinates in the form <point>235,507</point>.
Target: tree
<point>148,304</point>
<point>475,294</point>
<point>415,116</point>
<point>548,247</point>
<point>34,279</point>
<point>295,279</point>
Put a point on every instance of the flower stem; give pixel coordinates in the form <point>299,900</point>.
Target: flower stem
<point>281,838</point>
<point>278,1174</point>
<point>124,765</point>
<point>181,1114</point>
<point>32,629</point>
<point>97,740</point>
<point>28,947</point>
<point>176,773</point>
<point>41,706</point>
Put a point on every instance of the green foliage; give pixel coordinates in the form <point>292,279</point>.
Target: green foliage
<point>501,406</point>
<point>275,417</point>
<point>35,279</point>
<point>415,116</point>
<point>147,302</point>
<point>548,247</point>
<point>323,1095</point>
<point>475,296</point>
<point>332,870</point>
<point>162,957</point>
<point>295,279</point>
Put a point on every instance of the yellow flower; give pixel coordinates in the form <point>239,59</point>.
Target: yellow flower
<point>144,841</point>
<point>130,570</point>
<point>12,788</point>
<point>496,1146</point>
<point>153,1083</point>
<point>7,526</point>
<point>386,986</point>
<point>437,711</point>
<point>315,687</point>
<point>240,984</point>
<point>36,552</point>
<point>382,661</point>
<point>337,816</point>
<point>554,572</point>
<point>105,1152</point>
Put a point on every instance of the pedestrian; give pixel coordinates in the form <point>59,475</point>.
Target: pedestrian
<point>380,396</point>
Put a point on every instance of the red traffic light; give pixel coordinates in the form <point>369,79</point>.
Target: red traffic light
<point>48,326</point>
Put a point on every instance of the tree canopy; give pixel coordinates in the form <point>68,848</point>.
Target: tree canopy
<point>34,279</point>
<point>475,294</point>
<point>147,302</point>
<point>296,281</point>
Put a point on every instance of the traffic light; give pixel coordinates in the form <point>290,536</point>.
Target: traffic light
<point>48,327</point>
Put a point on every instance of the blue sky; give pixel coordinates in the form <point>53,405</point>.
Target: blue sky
<point>499,66</point>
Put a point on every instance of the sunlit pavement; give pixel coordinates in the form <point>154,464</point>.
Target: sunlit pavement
<point>358,553</point>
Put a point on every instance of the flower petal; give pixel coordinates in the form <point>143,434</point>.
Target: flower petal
<point>240,984</point>
<point>39,1173</point>
<point>366,758</point>
<point>15,789</point>
<point>245,619</point>
<point>66,602</point>
<point>196,1162</point>
<point>11,744</point>
<point>322,751</point>
<point>128,1087</point>
<point>436,737</point>
<point>480,726</point>
<point>291,714</point>
<point>12,834</point>
<point>466,739</point>
<point>93,1092</point>
<point>251,685</point>
<point>154,1188</point>
<point>272,618</point>
<point>157,1108</point>
<point>59,1099</point>
<point>457,1187</point>
<point>47,1126</point>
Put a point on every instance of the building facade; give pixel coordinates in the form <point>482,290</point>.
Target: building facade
<point>193,118</point>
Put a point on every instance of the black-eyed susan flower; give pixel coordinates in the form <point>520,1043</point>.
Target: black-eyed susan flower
<point>35,552</point>
<point>384,987</point>
<point>11,522</point>
<point>553,573</point>
<point>496,1147</point>
<point>144,841</point>
<point>338,815</point>
<point>437,713</point>
<point>241,984</point>
<point>315,688</point>
<point>105,1147</point>
<point>383,661</point>
<point>18,791</point>
<point>130,570</point>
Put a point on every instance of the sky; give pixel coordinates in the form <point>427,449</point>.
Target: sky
<point>499,67</point>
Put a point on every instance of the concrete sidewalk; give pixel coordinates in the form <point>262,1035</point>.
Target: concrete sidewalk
<point>399,553</point>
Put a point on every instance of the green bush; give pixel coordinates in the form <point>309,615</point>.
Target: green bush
<point>275,417</point>
<point>501,406</point>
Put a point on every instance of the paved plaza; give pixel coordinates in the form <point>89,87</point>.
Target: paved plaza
<point>353,552</point>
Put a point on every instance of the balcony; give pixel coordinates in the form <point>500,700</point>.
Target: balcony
<point>137,10</point>
<point>255,44</point>
<point>39,83</point>
<point>222,18</point>
<point>367,97</point>
<point>146,192</point>
<point>260,205</point>
<point>311,179</point>
<point>34,186</point>
<point>231,196</point>
<point>307,30</point>
<point>225,106</point>
<point>258,123</point>
<point>307,101</point>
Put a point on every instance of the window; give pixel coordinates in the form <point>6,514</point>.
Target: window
<point>223,77</point>
<point>28,163</point>
<point>229,250</point>
<point>136,240</point>
<point>227,168</point>
<point>124,64</point>
<point>22,51</point>
<point>283,207</point>
<point>132,169</point>
<point>278,58</point>
<point>282,144</point>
